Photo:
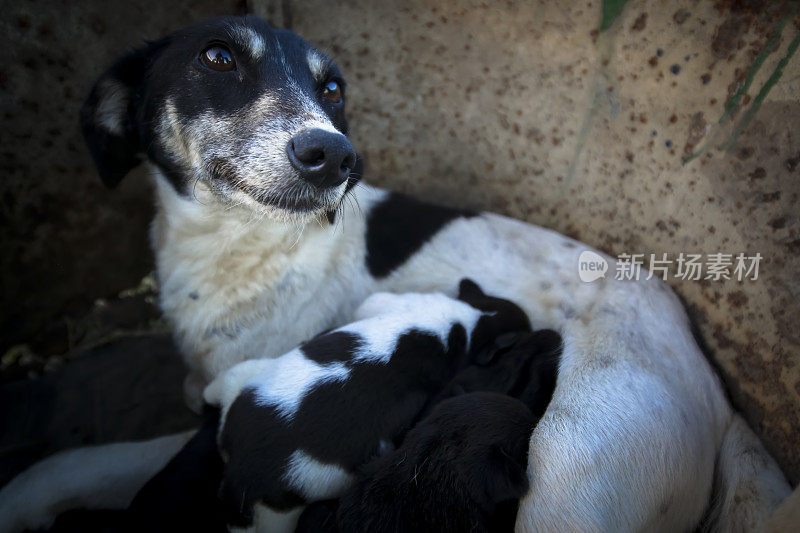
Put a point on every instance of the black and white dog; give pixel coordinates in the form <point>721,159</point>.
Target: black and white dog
<point>296,427</point>
<point>260,245</point>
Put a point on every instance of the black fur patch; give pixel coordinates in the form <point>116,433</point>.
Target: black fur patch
<point>460,469</point>
<point>336,346</point>
<point>116,153</point>
<point>399,226</point>
<point>536,390</point>
<point>183,495</point>
<point>318,517</point>
<point>503,316</point>
<point>91,521</point>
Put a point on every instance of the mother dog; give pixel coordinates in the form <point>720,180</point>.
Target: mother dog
<point>263,239</point>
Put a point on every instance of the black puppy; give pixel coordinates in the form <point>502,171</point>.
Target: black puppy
<point>521,364</point>
<point>460,469</point>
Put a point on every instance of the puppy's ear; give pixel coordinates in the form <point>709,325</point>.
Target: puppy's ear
<point>506,478</point>
<point>468,289</point>
<point>109,115</point>
<point>501,344</point>
<point>485,354</point>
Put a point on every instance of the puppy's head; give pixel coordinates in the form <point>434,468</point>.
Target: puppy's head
<point>253,114</point>
<point>500,317</point>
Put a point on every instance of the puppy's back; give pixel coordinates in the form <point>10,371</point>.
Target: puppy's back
<point>461,469</point>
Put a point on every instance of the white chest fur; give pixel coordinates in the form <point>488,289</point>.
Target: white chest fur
<point>235,287</point>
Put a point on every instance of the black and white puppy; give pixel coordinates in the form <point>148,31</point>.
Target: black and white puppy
<point>296,427</point>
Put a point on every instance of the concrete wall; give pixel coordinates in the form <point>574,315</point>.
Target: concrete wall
<point>523,108</point>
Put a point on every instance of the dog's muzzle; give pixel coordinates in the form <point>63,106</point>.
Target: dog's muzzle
<point>322,158</point>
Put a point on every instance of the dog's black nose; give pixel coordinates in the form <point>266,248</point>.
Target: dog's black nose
<point>323,158</point>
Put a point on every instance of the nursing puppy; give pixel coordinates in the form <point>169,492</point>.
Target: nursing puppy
<point>461,469</point>
<point>523,365</point>
<point>298,426</point>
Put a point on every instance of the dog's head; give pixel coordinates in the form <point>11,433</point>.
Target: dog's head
<point>251,113</point>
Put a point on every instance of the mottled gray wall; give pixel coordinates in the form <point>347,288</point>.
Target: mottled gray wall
<point>522,107</point>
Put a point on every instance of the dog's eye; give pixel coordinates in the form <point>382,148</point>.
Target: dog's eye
<point>218,57</point>
<point>332,92</point>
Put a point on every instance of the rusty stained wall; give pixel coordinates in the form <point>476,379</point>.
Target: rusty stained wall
<point>525,109</point>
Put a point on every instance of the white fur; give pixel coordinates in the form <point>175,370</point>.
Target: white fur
<point>250,39</point>
<point>744,455</point>
<point>281,382</point>
<point>287,383</point>
<point>266,520</point>
<point>211,320</point>
<point>112,103</point>
<point>98,477</point>
<point>316,480</point>
<point>787,516</point>
<point>316,63</point>
<point>384,317</point>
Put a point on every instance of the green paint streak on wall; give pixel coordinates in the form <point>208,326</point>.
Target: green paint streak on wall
<point>588,122</point>
<point>772,44</point>
<point>762,94</point>
<point>603,78</point>
<point>611,10</point>
<point>733,102</point>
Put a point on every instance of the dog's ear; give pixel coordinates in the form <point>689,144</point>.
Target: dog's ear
<point>109,115</point>
<point>469,290</point>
